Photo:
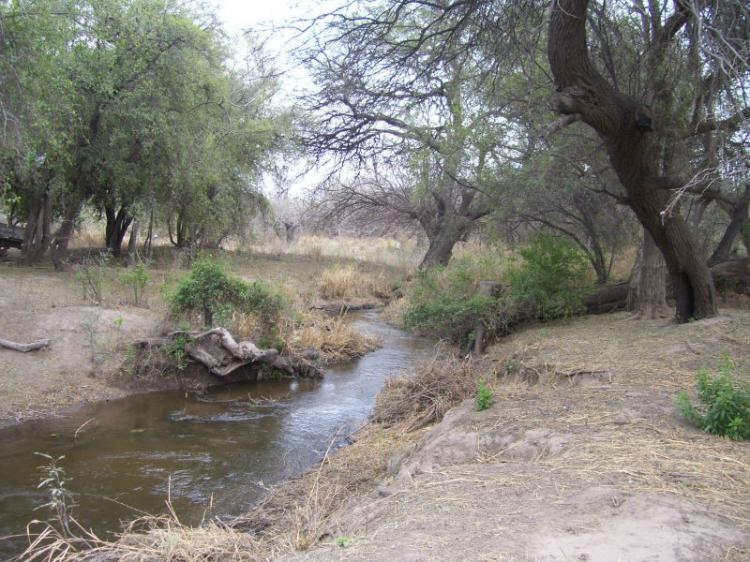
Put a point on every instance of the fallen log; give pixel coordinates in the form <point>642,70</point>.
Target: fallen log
<point>222,355</point>
<point>24,347</point>
<point>731,274</point>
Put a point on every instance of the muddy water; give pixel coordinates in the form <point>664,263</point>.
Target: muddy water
<point>219,453</point>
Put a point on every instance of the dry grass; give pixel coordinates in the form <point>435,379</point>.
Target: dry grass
<point>437,386</point>
<point>335,338</point>
<point>348,282</point>
<point>403,254</point>
<point>148,539</point>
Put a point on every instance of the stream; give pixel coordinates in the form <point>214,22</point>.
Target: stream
<point>211,451</point>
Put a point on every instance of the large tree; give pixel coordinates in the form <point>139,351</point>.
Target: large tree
<point>636,137</point>
<point>412,121</point>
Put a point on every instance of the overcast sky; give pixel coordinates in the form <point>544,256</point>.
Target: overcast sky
<point>240,15</point>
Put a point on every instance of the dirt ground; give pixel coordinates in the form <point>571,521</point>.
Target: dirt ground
<point>87,343</point>
<point>582,457</point>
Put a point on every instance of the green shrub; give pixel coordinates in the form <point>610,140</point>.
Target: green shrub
<point>553,279</point>
<point>725,404</point>
<point>135,279</point>
<point>484,397</point>
<point>451,317</point>
<point>209,290</point>
<point>550,282</point>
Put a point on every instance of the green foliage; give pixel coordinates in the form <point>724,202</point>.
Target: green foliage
<point>725,404</point>
<point>343,542</point>
<point>176,350</point>
<point>209,290</point>
<point>553,279</point>
<point>451,317</point>
<point>550,282</point>
<point>484,396</point>
<point>443,300</point>
<point>136,279</point>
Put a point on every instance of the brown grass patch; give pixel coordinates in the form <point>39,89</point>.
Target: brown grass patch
<point>437,386</point>
<point>346,282</point>
<point>335,338</point>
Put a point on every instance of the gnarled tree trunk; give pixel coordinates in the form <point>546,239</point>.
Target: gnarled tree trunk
<point>625,129</point>
<point>443,237</point>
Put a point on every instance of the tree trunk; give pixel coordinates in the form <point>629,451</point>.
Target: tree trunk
<point>59,249</point>
<point>133,242</point>
<point>117,225</point>
<point>442,240</point>
<point>746,237</point>
<point>647,293</point>
<point>149,236</point>
<point>36,236</point>
<point>624,126</point>
<point>738,219</point>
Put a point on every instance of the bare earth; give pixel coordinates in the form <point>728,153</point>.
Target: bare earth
<point>591,462</point>
<point>38,303</point>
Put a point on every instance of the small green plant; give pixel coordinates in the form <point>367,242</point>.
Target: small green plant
<point>90,276</point>
<point>176,349</point>
<point>119,322</point>
<point>136,279</point>
<point>53,480</point>
<point>484,396</point>
<point>90,326</point>
<point>725,404</point>
<point>343,542</point>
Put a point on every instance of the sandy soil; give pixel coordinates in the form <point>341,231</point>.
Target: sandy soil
<point>589,462</point>
<point>87,345</point>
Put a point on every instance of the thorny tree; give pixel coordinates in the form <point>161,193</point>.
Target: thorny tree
<point>413,121</point>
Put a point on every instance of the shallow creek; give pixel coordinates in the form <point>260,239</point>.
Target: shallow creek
<point>213,451</point>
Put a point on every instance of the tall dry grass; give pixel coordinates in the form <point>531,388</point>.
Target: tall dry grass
<point>336,339</point>
<point>404,254</point>
<point>348,282</point>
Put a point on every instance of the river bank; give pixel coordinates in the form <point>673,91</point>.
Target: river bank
<point>89,342</point>
<point>582,456</point>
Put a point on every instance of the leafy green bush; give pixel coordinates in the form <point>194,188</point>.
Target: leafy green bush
<point>450,317</point>
<point>209,290</point>
<point>553,279</point>
<point>484,396</point>
<point>550,282</point>
<point>136,278</point>
<point>725,404</point>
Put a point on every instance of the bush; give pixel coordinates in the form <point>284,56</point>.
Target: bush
<point>136,278</point>
<point>450,317</point>
<point>484,396</point>
<point>442,302</point>
<point>552,281</point>
<point>725,404</point>
<point>209,290</point>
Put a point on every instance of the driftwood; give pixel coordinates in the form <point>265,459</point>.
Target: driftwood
<point>221,354</point>
<point>24,347</point>
<point>733,273</point>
